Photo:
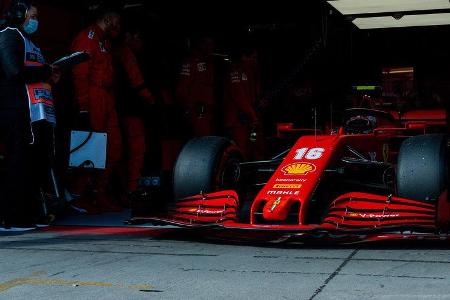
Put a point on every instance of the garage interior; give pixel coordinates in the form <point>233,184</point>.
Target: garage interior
<point>394,48</point>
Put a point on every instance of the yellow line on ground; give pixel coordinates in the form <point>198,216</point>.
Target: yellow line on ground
<point>40,281</point>
<point>12,283</point>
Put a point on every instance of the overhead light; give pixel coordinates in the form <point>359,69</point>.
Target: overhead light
<point>406,70</point>
<point>405,21</point>
<point>365,88</point>
<point>360,7</point>
<point>133,5</point>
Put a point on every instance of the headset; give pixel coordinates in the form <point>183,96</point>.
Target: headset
<point>17,13</point>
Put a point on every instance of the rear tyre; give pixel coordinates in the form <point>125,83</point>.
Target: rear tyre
<point>206,164</point>
<point>422,167</point>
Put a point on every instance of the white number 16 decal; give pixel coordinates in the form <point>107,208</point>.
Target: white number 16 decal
<point>310,154</point>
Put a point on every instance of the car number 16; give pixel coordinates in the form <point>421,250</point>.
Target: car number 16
<point>310,154</point>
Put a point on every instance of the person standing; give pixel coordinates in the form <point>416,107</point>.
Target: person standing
<point>133,101</point>
<point>94,92</point>
<point>195,90</point>
<point>26,98</point>
<point>242,92</point>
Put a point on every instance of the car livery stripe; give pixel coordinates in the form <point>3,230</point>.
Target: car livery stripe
<point>393,201</point>
<point>388,210</point>
<point>212,214</point>
<point>206,198</point>
<point>386,218</point>
<point>381,227</point>
<point>190,221</point>
<point>205,206</point>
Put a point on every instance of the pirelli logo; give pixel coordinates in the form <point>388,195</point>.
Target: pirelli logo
<point>287,186</point>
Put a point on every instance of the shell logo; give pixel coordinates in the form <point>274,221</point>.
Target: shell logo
<point>298,169</point>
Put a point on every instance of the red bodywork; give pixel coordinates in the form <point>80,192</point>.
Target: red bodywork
<point>349,217</point>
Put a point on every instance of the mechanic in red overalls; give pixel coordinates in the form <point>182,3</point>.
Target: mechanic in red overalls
<point>133,100</point>
<point>94,92</point>
<point>242,92</point>
<point>195,90</point>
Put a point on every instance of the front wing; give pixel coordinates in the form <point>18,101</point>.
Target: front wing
<point>350,218</point>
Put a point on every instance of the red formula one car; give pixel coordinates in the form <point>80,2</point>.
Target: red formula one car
<point>382,176</point>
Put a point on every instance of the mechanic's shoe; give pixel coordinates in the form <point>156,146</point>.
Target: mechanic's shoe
<point>17,226</point>
<point>105,204</point>
<point>84,205</point>
<point>45,221</point>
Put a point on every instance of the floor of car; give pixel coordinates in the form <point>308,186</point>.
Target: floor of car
<point>100,220</point>
<point>106,219</point>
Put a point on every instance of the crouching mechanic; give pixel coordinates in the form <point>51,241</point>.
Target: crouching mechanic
<point>26,99</point>
<point>94,92</point>
<point>133,100</point>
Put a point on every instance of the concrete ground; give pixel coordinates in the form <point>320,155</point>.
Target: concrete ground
<point>64,265</point>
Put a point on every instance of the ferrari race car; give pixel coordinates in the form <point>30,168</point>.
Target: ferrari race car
<point>381,176</point>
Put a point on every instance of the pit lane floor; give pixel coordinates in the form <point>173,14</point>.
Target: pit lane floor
<point>66,262</point>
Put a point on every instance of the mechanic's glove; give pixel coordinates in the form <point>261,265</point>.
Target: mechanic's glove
<point>147,96</point>
<point>201,110</point>
<point>253,132</point>
<point>56,75</point>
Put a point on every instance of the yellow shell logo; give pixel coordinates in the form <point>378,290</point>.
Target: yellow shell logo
<point>298,169</point>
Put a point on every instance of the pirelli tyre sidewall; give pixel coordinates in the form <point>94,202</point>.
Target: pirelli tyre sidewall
<point>206,164</point>
<point>422,170</point>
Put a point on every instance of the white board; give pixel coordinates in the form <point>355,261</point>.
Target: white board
<point>92,154</point>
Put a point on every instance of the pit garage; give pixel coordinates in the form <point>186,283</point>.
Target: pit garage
<point>339,191</point>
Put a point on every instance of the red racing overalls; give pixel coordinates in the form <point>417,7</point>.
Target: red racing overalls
<point>195,94</point>
<point>94,92</point>
<point>133,97</point>
<point>240,116</point>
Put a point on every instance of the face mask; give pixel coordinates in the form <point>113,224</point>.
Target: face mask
<point>31,27</point>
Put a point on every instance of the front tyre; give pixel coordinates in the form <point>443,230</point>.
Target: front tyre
<point>206,164</point>
<point>422,167</point>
